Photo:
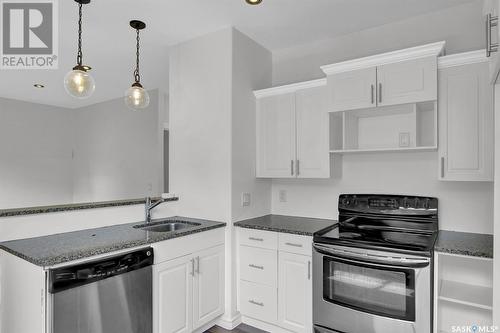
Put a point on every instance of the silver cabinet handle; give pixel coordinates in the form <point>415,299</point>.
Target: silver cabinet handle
<point>298,167</point>
<point>291,167</point>
<point>198,265</point>
<point>256,267</point>
<point>309,270</point>
<point>373,94</point>
<point>256,239</point>
<point>491,21</point>
<point>256,303</point>
<point>442,167</point>
<point>293,244</point>
<point>192,267</point>
<point>380,92</point>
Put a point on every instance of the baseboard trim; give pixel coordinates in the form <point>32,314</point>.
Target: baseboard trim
<point>229,323</point>
<point>261,325</point>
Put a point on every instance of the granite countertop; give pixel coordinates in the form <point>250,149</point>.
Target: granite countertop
<point>60,248</point>
<point>287,224</point>
<point>467,244</point>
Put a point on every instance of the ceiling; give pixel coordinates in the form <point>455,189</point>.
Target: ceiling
<point>109,43</point>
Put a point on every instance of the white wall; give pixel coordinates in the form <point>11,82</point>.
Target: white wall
<point>212,144</point>
<point>461,26</point>
<point>36,144</point>
<point>463,206</point>
<point>118,152</point>
<point>200,125</point>
<point>251,70</point>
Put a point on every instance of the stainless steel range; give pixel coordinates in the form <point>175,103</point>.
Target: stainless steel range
<point>373,272</point>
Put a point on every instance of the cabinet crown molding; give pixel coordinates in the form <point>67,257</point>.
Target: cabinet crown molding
<point>422,51</point>
<point>461,59</point>
<point>289,88</point>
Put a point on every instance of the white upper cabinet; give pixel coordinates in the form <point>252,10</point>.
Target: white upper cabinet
<point>465,119</point>
<point>409,81</point>
<point>400,77</point>
<point>353,89</point>
<point>313,160</point>
<point>276,136</point>
<point>491,11</point>
<point>293,131</point>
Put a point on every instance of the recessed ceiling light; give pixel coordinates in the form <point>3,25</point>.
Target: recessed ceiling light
<point>253,2</point>
<point>38,85</point>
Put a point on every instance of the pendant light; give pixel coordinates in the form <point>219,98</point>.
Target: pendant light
<point>136,97</point>
<point>79,83</point>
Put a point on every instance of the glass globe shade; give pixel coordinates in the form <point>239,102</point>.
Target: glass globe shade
<point>136,98</point>
<point>79,84</point>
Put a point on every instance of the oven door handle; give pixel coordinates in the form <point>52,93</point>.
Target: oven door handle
<point>373,259</point>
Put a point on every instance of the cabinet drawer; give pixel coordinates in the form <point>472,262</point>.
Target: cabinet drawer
<point>259,301</point>
<point>259,265</point>
<point>259,238</point>
<point>295,244</point>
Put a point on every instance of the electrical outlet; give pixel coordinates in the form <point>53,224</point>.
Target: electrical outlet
<point>283,196</point>
<point>246,199</point>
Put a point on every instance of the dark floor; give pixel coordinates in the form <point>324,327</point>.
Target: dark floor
<point>240,329</point>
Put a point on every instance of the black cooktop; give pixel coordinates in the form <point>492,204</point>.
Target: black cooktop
<point>385,222</point>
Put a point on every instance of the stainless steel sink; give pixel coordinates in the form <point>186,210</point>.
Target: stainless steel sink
<point>167,226</point>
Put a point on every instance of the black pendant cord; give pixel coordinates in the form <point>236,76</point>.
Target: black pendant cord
<point>137,75</point>
<point>79,56</point>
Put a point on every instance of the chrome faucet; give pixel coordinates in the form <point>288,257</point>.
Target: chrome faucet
<point>150,205</point>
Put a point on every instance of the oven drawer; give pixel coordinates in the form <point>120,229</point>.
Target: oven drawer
<point>296,244</point>
<point>259,301</point>
<point>259,265</point>
<point>259,238</point>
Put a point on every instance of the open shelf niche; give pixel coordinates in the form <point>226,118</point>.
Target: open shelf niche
<point>463,293</point>
<point>407,127</point>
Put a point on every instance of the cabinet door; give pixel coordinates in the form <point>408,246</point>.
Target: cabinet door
<point>407,82</point>
<point>208,288</point>
<point>352,90</point>
<point>276,136</point>
<point>313,156</point>
<point>466,123</point>
<point>172,296</point>
<point>295,292</point>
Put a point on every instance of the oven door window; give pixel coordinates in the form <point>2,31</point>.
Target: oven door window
<point>380,290</point>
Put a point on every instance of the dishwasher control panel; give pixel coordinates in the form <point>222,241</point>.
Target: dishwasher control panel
<point>73,276</point>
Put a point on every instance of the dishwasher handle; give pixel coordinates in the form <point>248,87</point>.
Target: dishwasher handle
<point>74,276</point>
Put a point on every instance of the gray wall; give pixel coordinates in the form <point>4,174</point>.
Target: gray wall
<point>462,27</point>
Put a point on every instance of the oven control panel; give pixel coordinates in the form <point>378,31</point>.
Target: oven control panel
<point>397,204</point>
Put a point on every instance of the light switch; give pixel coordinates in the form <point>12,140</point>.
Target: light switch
<point>246,199</point>
<point>404,139</point>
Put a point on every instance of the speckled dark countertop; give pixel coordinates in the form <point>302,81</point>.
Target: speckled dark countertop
<point>467,244</point>
<point>77,206</point>
<point>288,224</point>
<point>59,248</point>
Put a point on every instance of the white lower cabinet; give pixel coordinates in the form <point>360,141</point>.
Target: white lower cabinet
<point>173,288</point>
<point>188,291</point>
<point>208,286</point>
<point>295,292</point>
<point>275,287</point>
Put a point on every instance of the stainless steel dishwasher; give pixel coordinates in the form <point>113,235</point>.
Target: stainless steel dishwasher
<point>112,295</point>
